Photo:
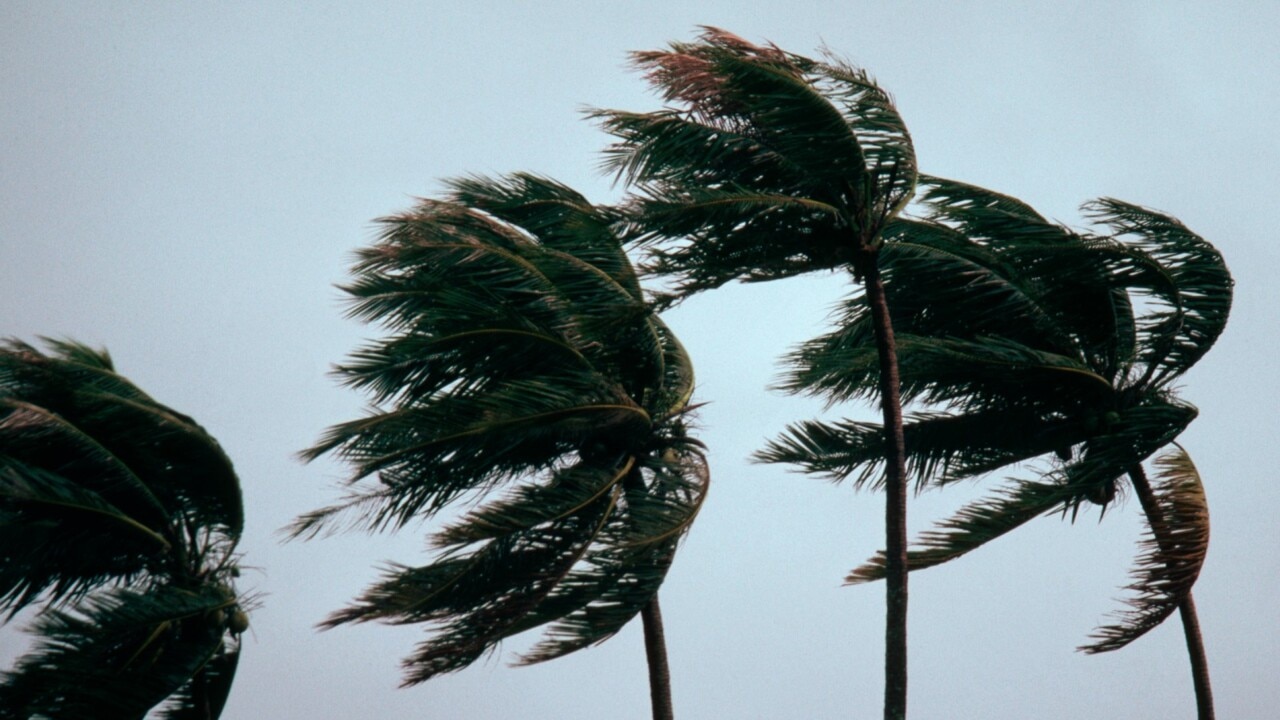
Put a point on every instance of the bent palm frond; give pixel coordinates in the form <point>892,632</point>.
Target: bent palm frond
<point>1173,552</point>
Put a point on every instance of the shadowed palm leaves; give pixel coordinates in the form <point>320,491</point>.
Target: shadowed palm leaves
<point>1039,342</point>
<point>768,165</point>
<point>524,373</point>
<point>119,518</point>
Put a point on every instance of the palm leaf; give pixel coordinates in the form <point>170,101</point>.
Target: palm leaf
<point>941,448</point>
<point>60,540</point>
<point>975,525</point>
<point>1197,314</point>
<point>1173,552</point>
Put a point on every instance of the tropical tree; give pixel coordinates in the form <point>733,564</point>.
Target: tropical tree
<point>119,519</point>
<point>767,164</point>
<point>1037,343</point>
<point>525,372</point>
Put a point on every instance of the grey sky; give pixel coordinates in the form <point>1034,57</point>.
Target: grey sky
<point>185,184</point>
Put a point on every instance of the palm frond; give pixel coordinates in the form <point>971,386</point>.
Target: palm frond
<point>558,216</point>
<point>59,540</point>
<point>1172,554</point>
<point>481,599</point>
<point>952,199</point>
<point>975,373</point>
<point>566,493</point>
<point>975,525</point>
<point>941,448</point>
<point>36,436</point>
<point>1197,309</point>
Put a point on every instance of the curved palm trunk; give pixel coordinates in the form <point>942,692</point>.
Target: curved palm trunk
<point>1186,609</point>
<point>655,650</point>
<point>895,482</point>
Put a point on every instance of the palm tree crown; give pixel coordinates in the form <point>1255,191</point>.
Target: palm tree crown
<point>525,374</point>
<point>119,517</point>
<point>1036,342</point>
<point>768,164</point>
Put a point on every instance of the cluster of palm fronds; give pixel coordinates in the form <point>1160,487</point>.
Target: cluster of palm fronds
<point>119,519</point>
<point>1039,342</point>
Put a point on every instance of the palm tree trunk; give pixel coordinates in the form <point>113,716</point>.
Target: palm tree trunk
<point>655,650</point>
<point>1187,608</point>
<point>895,481</point>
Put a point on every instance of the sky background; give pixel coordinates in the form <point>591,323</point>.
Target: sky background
<point>185,183</point>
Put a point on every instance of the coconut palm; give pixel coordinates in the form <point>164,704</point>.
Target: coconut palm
<point>525,374</point>
<point>119,519</point>
<point>767,164</point>
<point>1037,342</point>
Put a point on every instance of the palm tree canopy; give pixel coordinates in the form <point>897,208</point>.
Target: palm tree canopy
<point>767,164</point>
<point>119,517</point>
<point>525,376</point>
<point>1038,343</point>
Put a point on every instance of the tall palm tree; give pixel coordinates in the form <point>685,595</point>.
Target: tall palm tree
<point>524,372</point>
<point>768,164</point>
<point>1037,342</point>
<point>119,518</point>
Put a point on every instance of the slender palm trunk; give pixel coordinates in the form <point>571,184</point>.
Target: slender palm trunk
<point>655,650</point>
<point>895,515</point>
<point>1187,608</point>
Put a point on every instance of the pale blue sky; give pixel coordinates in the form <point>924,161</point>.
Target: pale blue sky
<point>185,182</point>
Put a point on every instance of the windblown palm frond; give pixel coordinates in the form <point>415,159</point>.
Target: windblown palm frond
<point>1173,553</point>
<point>1037,343</point>
<point>119,517</point>
<point>768,163</point>
<point>524,372</point>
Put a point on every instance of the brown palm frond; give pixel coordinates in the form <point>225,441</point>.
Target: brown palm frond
<point>1171,556</point>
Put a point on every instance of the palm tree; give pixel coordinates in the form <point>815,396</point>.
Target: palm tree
<point>768,164</point>
<point>525,372</point>
<point>119,519</point>
<point>1037,342</point>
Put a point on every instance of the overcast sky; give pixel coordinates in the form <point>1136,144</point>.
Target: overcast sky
<point>185,182</point>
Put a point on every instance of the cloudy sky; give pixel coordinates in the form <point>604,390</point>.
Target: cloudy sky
<point>185,185</point>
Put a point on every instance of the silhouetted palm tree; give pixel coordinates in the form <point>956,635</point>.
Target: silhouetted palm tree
<point>119,517</point>
<point>769,164</point>
<point>1037,342</point>
<point>524,371</point>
